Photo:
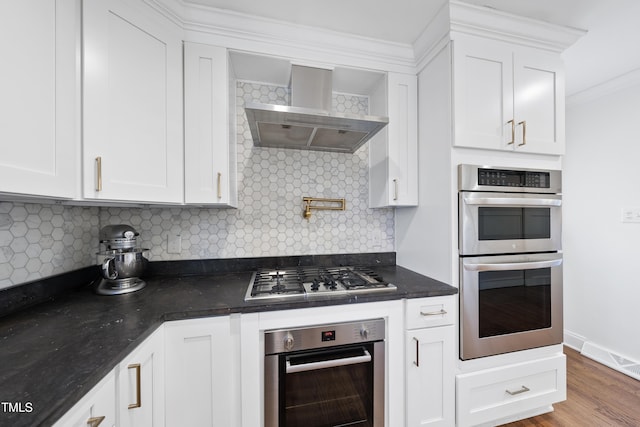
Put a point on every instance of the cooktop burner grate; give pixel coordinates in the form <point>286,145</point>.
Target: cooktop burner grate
<point>307,281</point>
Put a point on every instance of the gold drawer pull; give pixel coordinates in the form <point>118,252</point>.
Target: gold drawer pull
<point>219,185</point>
<point>395,189</point>
<point>138,403</point>
<point>94,421</point>
<point>524,133</point>
<point>513,132</point>
<point>522,390</point>
<point>440,312</point>
<point>99,173</point>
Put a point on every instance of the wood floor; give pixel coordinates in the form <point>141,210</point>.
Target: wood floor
<point>597,396</point>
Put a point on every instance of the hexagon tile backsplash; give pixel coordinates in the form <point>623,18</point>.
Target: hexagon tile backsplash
<point>41,240</point>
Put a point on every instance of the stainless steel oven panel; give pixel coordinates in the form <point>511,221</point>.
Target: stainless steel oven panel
<point>468,180</point>
<point>471,345</point>
<point>272,392</point>
<point>469,240</point>
<point>379,364</point>
<point>310,337</point>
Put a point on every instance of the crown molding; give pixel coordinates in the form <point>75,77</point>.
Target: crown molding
<point>464,18</point>
<point>622,82</point>
<point>272,37</point>
<point>491,23</point>
<point>251,33</point>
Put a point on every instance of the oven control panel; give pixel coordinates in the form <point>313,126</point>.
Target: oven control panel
<point>513,180</point>
<point>319,336</point>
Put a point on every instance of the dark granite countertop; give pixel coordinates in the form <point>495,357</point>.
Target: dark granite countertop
<point>54,352</point>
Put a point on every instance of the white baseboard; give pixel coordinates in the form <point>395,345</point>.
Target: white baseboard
<point>574,340</point>
<point>608,358</point>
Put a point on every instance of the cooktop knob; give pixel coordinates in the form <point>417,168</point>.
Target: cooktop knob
<point>289,342</point>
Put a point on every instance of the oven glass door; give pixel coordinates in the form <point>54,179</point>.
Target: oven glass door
<point>496,223</point>
<point>510,303</point>
<point>337,386</point>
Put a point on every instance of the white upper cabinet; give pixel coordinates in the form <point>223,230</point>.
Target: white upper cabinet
<point>133,143</point>
<point>39,87</point>
<point>210,126</point>
<point>393,152</point>
<point>507,97</point>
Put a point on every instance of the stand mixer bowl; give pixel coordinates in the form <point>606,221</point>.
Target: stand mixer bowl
<point>123,265</point>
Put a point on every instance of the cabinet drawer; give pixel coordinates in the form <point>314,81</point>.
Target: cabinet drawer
<point>430,312</point>
<point>493,394</point>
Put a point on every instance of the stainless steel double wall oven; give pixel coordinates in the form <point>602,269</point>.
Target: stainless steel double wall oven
<point>510,229</point>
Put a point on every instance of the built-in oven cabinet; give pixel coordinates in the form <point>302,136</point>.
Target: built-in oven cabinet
<point>202,372</point>
<point>498,395</point>
<point>430,361</point>
<point>254,325</point>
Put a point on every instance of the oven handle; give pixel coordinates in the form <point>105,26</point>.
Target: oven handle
<point>503,266</point>
<point>512,201</point>
<point>366,357</point>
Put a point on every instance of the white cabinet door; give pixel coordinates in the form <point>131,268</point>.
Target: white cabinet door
<point>132,103</point>
<point>482,94</point>
<point>202,372</point>
<point>507,97</point>
<point>393,153</point>
<point>96,408</point>
<point>430,376</point>
<point>210,126</point>
<point>141,384</point>
<point>430,363</point>
<point>539,106</point>
<point>39,87</point>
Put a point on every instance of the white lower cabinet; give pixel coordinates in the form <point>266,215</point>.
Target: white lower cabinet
<point>202,372</point>
<point>141,384</point>
<point>499,393</point>
<point>430,361</point>
<point>132,394</point>
<point>96,408</point>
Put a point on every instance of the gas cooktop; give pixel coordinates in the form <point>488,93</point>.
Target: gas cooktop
<point>303,282</point>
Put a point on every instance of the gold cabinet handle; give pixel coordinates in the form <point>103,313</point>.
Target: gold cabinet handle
<point>138,403</point>
<point>99,173</point>
<point>417,361</point>
<point>440,312</point>
<point>522,389</point>
<point>94,421</point>
<point>219,185</point>
<point>524,132</point>
<point>395,189</point>
<point>513,132</point>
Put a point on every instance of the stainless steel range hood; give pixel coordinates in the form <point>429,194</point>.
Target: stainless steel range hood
<point>309,124</point>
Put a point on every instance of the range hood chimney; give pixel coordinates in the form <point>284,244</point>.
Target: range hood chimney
<point>309,124</point>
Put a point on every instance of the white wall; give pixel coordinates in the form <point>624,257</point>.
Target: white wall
<point>602,254</point>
